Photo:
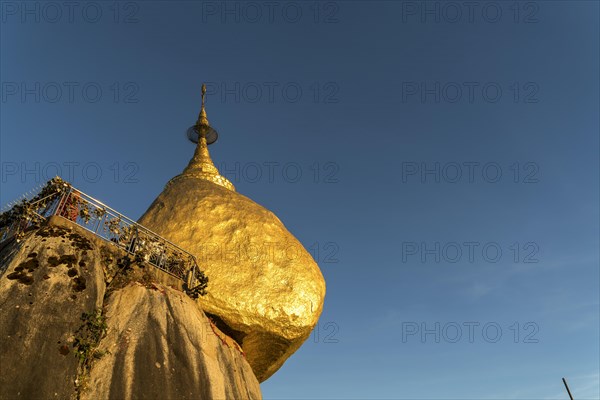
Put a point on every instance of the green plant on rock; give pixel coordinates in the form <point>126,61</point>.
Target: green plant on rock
<point>87,339</point>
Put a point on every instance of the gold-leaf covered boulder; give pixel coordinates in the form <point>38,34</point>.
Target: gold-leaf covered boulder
<point>265,290</point>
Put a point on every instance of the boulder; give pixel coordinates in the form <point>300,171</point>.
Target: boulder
<point>265,290</point>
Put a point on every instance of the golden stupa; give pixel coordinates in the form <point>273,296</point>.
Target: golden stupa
<point>265,289</point>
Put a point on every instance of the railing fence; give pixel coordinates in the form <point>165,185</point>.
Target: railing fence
<point>110,225</point>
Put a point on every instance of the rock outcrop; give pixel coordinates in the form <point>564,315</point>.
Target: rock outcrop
<point>49,281</point>
<point>78,319</point>
<point>161,344</point>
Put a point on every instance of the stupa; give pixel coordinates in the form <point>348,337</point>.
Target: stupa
<point>265,290</point>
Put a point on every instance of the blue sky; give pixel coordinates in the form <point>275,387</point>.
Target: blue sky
<point>439,160</point>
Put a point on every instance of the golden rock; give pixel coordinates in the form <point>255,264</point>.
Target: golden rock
<point>265,290</point>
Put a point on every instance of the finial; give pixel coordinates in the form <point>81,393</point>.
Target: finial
<point>202,110</point>
<point>202,120</point>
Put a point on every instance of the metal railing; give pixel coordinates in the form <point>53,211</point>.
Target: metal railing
<point>112,226</point>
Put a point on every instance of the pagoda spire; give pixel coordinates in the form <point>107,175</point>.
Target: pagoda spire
<point>201,165</point>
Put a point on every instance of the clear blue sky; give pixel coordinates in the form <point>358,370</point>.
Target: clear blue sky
<point>439,159</point>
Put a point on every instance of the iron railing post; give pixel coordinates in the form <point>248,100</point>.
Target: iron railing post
<point>63,201</point>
